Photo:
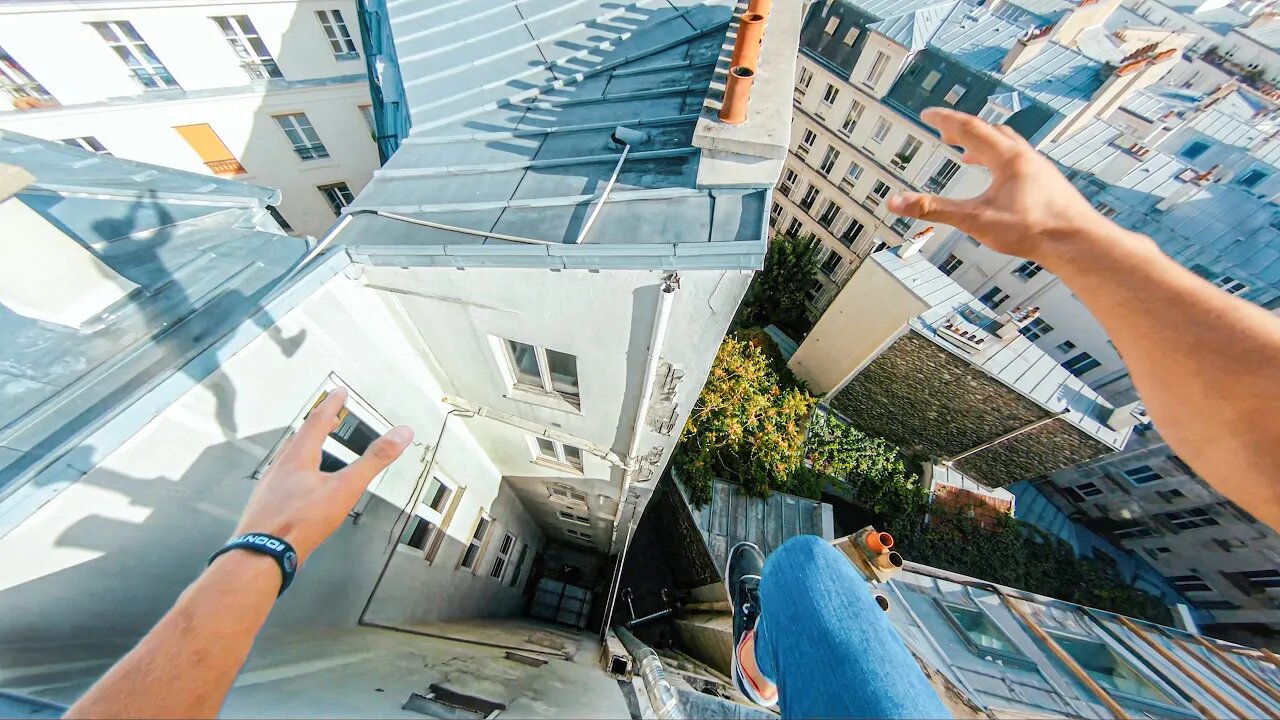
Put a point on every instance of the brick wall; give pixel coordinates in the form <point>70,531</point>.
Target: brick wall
<point>934,404</point>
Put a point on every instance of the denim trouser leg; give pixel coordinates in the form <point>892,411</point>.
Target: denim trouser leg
<point>825,642</point>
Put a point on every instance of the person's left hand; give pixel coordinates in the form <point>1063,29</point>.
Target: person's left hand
<point>297,502</point>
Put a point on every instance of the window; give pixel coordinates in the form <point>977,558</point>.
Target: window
<point>431,517</point>
<point>879,192</point>
<point>775,213</point>
<point>795,228</point>
<point>475,546</point>
<point>554,451</point>
<point>1104,209</point>
<point>853,173</point>
<point>852,117</point>
<point>993,113</point>
<point>137,56</point>
<point>810,197</point>
<point>1190,519</point>
<point>951,264</point>
<point>248,46</point>
<point>1259,580</point>
<point>877,69</point>
<point>829,97</point>
<point>1231,285</point>
<point>930,80</point>
<point>306,143</point>
<point>505,548</point>
<point>1170,494</point>
<point>828,161</point>
<point>807,139</point>
<point>851,232</point>
<point>994,297</point>
<point>938,181</point>
<point>574,517</point>
<point>86,143</point>
<point>1107,669</point>
<point>814,292</point>
<point>21,88</point>
<point>1088,489</point>
<point>1133,532</point>
<point>1141,475</point>
<point>1194,149</point>
<point>832,24</point>
<point>1036,329</point>
<point>829,213</point>
<point>338,195</point>
<point>340,40</point>
<point>1065,346</point>
<point>1155,552</point>
<point>539,369</point>
<point>901,226</point>
<point>1190,583</point>
<point>1028,270</point>
<point>980,633</point>
<point>954,94</point>
<point>515,574</point>
<point>881,130</point>
<point>906,153</point>
<point>212,151</point>
<point>578,534</point>
<point>789,179</point>
<point>1251,178</point>
<point>366,112</point>
<point>831,264</point>
<point>803,82</point>
<point>1080,364</point>
<point>566,495</point>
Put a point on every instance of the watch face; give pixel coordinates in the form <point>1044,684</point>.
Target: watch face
<point>290,561</point>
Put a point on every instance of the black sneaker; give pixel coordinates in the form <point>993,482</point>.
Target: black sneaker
<point>742,581</point>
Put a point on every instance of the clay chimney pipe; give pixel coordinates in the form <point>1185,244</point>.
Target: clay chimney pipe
<point>889,560</point>
<point>746,48</point>
<point>761,7</point>
<point>737,92</point>
<point>879,542</point>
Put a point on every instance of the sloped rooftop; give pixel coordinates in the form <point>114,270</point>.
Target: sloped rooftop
<point>513,105</point>
<point>203,252</point>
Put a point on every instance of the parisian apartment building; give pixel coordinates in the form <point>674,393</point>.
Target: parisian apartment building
<point>273,93</point>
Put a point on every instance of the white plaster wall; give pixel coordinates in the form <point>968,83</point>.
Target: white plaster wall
<point>243,121</point>
<point>54,43</point>
<point>106,557</point>
<point>1249,53</point>
<point>1162,16</point>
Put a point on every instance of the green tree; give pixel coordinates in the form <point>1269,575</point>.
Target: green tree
<point>744,428</point>
<point>776,294</point>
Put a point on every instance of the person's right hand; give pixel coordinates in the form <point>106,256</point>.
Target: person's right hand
<point>1028,210</point>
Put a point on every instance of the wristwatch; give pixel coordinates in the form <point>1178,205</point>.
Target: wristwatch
<point>270,545</point>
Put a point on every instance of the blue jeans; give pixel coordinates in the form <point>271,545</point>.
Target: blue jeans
<point>827,644</point>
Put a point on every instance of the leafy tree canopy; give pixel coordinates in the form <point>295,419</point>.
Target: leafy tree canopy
<point>776,294</point>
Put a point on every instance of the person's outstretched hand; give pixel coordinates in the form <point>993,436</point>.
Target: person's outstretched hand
<point>1029,207</point>
<point>297,502</point>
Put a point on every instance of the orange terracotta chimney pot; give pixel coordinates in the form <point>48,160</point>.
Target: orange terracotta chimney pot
<point>746,48</point>
<point>879,542</point>
<point>737,92</point>
<point>761,7</point>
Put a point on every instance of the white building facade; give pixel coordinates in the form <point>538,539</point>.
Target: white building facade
<point>266,92</point>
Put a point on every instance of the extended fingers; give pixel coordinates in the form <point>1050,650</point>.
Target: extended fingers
<point>380,453</point>
<point>322,420</point>
<point>936,208</point>
<point>983,143</point>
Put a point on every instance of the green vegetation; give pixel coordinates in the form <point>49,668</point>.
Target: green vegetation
<point>776,294</point>
<point>752,425</point>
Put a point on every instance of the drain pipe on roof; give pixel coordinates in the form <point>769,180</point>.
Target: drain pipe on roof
<point>662,316</point>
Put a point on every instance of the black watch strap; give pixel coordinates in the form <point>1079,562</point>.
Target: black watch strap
<point>269,545</point>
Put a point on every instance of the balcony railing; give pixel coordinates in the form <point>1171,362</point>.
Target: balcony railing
<point>154,79</point>
<point>261,69</point>
<point>935,184</point>
<point>27,96</point>
<point>311,152</point>
<point>225,167</point>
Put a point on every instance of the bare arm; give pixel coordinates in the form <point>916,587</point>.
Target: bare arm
<point>1206,364</point>
<point>185,665</point>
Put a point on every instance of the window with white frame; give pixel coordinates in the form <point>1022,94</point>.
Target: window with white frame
<point>143,64</point>
<point>877,69</point>
<point>1141,475</point>
<point>803,81</point>
<point>930,80</point>
<point>86,143</point>
<point>830,211</point>
<point>994,297</point>
<point>578,534</point>
<point>851,232</point>
<point>954,94</point>
<point>830,95</point>
<point>775,214</point>
<point>1036,329</point>
<point>1028,270</point>
<point>430,518</point>
<point>335,29</point>
<point>21,87</point>
<point>794,228</point>
<point>302,136</point>
<point>558,453</point>
<point>1089,489</point>
<point>475,546</point>
<point>831,264</point>
<point>1081,363</point>
<point>951,264</point>
<point>247,44</point>
<point>991,112</point>
<point>809,198</point>
<point>1231,285</point>
<point>789,180</point>
<point>906,153</point>
<point>338,195</point>
<point>814,292</point>
<point>832,23</point>
<point>881,130</point>
<point>852,174</point>
<point>807,139</point>
<point>852,117</point>
<point>543,370</point>
<point>566,495</point>
<point>829,159</point>
<point>942,176</point>
<point>502,557</point>
<point>878,193</point>
<point>573,517</point>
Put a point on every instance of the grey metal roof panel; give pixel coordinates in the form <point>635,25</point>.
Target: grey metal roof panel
<point>1059,77</point>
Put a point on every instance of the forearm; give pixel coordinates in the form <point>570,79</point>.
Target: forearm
<point>1206,364</point>
<point>186,664</point>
